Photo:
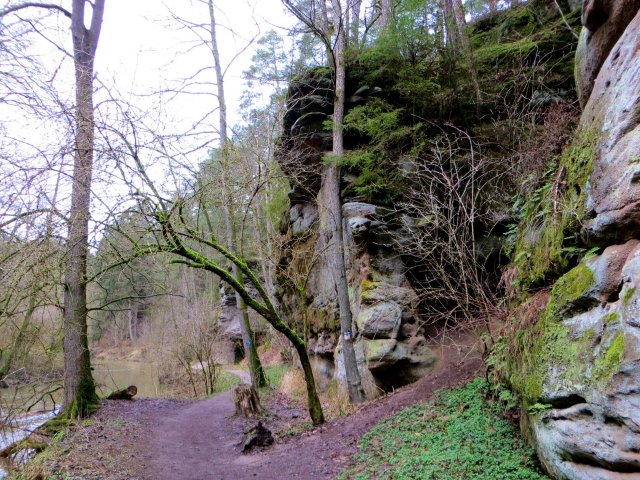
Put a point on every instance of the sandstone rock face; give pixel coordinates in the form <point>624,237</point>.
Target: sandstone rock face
<point>589,395</point>
<point>604,22</point>
<point>580,369</point>
<point>390,345</point>
<point>613,115</point>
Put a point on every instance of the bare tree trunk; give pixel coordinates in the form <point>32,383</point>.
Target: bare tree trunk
<point>79,388</point>
<point>331,180</point>
<point>466,47</point>
<point>354,27</point>
<point>386,13</point>
<point>248,338</point>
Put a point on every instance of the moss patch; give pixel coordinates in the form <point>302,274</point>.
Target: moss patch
<point>628,294</point>
<point>607,364</point>
<point>548,243</point>
<point>549,346</point>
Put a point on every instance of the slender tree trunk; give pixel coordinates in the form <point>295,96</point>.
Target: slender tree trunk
<point>463,38</point>
<point>79,387</point>
<point>354,27</point>
<point>386,13</point>
<point>248,338</point>
<point>331,182</point>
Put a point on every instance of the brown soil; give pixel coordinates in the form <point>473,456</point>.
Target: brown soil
<point>192,440</point>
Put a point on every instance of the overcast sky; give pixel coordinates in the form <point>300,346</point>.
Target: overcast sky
<point>142,49</point>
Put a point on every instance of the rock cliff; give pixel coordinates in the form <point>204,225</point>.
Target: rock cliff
<point>575,359</point>
<point>414,105</point>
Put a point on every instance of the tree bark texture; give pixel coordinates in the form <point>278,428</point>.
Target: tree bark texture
<point>331,180</point>
<point>463,38</point>
<point>79,387</point>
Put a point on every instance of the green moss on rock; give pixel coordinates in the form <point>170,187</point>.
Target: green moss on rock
<point>547,243</point>
<point>549,345</point>
<point>628,294</point>
<point>609,362</point>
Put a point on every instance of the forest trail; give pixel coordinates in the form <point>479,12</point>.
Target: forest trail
<point>199,441</point>
<point>196,438</point>
<point>153,438</point>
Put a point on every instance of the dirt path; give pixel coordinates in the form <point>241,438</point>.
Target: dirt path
<point>198,439</point>
<point>200,442</point>
<point>195,442</point>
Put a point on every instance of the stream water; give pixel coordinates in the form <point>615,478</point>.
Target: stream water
<point>110,375</point>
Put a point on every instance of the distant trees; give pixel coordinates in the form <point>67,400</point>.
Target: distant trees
<point>172,231</point>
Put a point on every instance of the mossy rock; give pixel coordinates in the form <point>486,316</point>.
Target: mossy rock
<point>552,353</point>
<point>548,241</point>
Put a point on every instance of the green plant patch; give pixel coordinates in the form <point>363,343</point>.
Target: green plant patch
<point>547,242</point>
<point>460,435</point>
<point>225,381</point>
<point>275,373</point>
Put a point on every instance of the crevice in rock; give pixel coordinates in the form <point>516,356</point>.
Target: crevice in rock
<point>588,459</point>
<point>567,401</point>
<point>614,295</point>
<point>611,420</point>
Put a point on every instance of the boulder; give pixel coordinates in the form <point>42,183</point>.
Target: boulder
<point>381,320</point>
<point>582,388</point>
<point>410,359</point>
<point>303,216</point>
<point>358,209</point>
<point>374,292</point>
<point>384,353</point>
<point>612,116</point>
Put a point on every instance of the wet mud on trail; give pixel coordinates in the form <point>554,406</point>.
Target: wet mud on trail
<point>156,439</point>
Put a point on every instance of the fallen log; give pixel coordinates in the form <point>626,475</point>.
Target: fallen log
<point>125,394</point>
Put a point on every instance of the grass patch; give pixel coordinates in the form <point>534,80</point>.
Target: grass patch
<point>460,435</point>
<point>275,373</point>
<point>225,381</point>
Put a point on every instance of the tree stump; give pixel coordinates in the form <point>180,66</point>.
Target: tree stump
<point>126,394</point>
<point>258,436</point>
<point>246,400</point>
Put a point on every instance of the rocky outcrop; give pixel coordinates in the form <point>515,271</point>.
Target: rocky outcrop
<point>578,367</point>
<point>387,338</point>
<point>613,114</point>
<point>604,22</point>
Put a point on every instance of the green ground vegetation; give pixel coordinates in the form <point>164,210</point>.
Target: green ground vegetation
<point>459,435</point>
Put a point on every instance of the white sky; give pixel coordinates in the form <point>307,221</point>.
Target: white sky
<point>140,47</point>
<point>141,51</point>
